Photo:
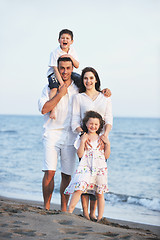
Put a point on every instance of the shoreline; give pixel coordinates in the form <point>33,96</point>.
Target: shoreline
<point>26,219</point>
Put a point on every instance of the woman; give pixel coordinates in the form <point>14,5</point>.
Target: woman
<point>91,98</point>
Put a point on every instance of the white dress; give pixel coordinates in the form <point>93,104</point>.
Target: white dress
<point>91,174</point>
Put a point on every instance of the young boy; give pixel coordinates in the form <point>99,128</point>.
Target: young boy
<point>55,81</point>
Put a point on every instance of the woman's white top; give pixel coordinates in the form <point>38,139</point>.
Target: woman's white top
<point>82,103</point>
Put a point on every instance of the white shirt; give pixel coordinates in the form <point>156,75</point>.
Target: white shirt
<point>56,54</point>
<point>63,112</point>
<point>82,103</point>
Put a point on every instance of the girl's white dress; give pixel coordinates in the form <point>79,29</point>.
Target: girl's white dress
<point>91,174</point>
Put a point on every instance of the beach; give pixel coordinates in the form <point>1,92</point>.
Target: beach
<point>24,219</point>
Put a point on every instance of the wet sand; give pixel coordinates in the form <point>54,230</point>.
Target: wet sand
<point>23,219</point>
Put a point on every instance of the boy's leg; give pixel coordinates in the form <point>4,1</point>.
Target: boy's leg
<point>85,203</point>
<point>74,200</point>
<point>76,77</point>
<point>101,204</point>
<point>64,197</point>
<point>53,85</point>
<point>48,187</point>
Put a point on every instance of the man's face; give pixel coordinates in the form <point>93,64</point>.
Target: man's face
<point>65,70</point>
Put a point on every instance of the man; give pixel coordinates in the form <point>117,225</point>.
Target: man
<point>58,137</point>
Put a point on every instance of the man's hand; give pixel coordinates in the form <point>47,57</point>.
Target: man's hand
<point>106,92</point>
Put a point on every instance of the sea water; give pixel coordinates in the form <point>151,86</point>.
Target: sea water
<point>133,167</point>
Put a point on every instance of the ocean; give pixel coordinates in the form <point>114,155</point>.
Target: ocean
<point>133,167</point>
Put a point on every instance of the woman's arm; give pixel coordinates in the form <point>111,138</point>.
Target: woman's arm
<point>76,119</point>
<point>107,148</point>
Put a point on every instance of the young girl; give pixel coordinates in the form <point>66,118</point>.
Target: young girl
<point>91,174</point>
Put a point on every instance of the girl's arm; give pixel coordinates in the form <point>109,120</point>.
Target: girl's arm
<point>81,148</point>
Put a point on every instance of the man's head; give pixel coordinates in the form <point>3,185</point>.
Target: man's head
<point>65,68</point>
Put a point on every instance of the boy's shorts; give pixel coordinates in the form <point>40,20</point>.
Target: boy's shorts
<point>53,82</point>
<point>76,77</point>
<point>53,150</point>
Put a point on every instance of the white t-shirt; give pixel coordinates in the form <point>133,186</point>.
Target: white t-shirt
<point>56,54</point>
<point>82,103</point>
<point>63,112</point>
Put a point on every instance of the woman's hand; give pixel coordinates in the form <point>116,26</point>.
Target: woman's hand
<point>102,141</point>
<point>106,92</point>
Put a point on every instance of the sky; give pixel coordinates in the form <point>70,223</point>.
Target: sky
<point>119,38</point>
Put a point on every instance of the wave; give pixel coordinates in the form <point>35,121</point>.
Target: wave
<point>128,135</point>
<point>8,132</point>
<point>151,204</point>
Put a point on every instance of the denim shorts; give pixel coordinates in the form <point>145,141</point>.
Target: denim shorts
<point>53,82</point>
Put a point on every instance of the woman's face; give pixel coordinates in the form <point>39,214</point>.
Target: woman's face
<point>89,80</point>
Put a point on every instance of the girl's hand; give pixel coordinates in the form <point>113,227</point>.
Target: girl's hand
<point>87,144</point>
<point>85,139</point>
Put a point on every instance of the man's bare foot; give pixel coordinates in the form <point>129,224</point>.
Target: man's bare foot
<point>52,115</point>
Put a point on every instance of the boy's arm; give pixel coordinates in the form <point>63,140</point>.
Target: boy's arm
<point>58,76</point>
<point>75,62</point>
<point>50,104</point>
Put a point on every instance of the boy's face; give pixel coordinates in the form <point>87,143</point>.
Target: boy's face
<point>65,41</point>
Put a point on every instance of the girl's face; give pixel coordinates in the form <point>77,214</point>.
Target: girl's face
<point>89,80</point>
<point>93,125</point>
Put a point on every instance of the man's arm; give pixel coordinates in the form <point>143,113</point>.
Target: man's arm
<point>50,104</point>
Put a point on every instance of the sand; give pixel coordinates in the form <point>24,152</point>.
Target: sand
<point>20,219</point>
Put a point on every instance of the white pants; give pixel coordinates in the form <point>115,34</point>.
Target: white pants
<point>53,149</point>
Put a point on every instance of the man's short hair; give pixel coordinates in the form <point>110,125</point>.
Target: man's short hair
<point>66,31</point>
<point>64,59</point>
